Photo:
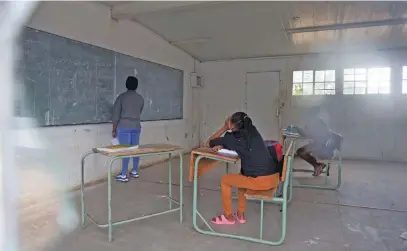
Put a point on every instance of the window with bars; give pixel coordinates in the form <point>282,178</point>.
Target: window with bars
<point>314,82</point>
<point>358,81</point>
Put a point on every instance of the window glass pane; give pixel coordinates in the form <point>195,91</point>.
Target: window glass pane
<point>360,90</point>
<point>297,76</point>
<point>348,85</point>
<point>297,89</point>
<point>373,82</point>
<point>347,91</point>
<point>319,86</point>
<point>385,73</point>
<point>314,82</point>
<point>360,77</point>
<point>348,77</point>
<point>404,72</point>
<point>307,89</point>
<point>330,75</point>
<point>330,85</point>
<point>319,76</point>
<point>404,90</point>
<point>384,83</point>
<point>374,74</point>
<point>360,84</point>
<point>379,74</point>
<point>308,76</point>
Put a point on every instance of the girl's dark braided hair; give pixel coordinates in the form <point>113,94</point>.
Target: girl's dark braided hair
<point>244,124</point>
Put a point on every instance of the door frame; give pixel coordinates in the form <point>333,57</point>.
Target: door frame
<point>280,104</point>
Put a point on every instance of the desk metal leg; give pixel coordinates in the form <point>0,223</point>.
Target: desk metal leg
<point>261,218</point>
<point>195,200</point>
<point>181,187</point>
<point>338,185</point>
<point>109,197</point>
<point>195,194</point>
<point>227,168</point>
<point>83,212</point>
<point>170,179</point>
<point>290,187</point>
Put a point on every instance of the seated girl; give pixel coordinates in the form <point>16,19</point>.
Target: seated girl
<point>258,169</point>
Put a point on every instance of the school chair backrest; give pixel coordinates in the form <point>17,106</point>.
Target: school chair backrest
<point>287,155</point>
<point>275,149</point>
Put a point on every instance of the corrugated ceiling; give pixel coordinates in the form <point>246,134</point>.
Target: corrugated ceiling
<point>226,30</point>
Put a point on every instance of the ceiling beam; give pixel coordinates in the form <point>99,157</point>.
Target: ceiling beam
<point>389,22</point>
<point>131,9</point>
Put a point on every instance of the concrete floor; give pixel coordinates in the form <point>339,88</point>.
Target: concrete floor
<point>316,221</point>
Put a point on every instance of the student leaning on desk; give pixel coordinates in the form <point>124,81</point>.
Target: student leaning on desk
<point>126,124</point>
<point>258,169</point>
<point>322,140</point>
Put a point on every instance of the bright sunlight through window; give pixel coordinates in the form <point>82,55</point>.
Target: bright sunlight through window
<point>358,81</point>
<point>314,83</point>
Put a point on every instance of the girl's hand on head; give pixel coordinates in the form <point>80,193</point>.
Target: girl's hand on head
<point>227,123</point>
<point>217,148</point>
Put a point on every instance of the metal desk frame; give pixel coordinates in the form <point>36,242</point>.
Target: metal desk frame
<point>110,224</point>
<point>287,187</point>
<point>327,172</point>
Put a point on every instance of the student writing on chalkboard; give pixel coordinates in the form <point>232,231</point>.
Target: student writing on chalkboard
<point>126,123</point>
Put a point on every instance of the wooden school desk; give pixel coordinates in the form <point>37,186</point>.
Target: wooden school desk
<point>209,160</point>
<point>141,151</point>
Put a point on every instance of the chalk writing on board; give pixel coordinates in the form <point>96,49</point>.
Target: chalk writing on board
<point>66,82</point>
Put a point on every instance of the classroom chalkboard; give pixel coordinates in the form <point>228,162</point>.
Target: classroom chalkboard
<point>65,82</point>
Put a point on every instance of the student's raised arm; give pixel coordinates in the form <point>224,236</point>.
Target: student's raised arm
<point>219,132</point>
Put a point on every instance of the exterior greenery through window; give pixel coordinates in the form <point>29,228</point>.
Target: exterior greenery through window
<point>314,82</point>
<point>366,81</point>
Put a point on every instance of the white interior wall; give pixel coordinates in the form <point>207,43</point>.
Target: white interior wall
<point>91,23</point>
<point>373,126</point>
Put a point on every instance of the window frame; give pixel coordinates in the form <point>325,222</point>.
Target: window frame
<point>366,87</point>
<point>325,82</point>
<point>314,82</point>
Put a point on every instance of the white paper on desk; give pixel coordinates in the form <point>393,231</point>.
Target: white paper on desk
<point>227,152</point>
<point>115,142</point>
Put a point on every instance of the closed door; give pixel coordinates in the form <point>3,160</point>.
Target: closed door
<point>262,102</point>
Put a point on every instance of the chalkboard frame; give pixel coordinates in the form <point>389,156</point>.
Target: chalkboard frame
<point>115,53</point>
